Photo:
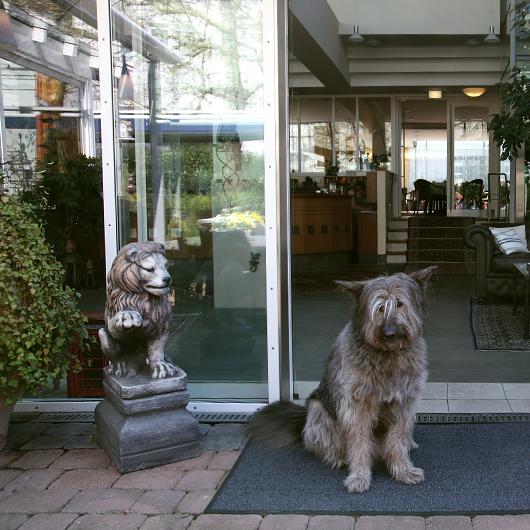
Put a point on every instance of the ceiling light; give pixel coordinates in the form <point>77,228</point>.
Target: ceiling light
<point>472,42</point>
<point>39,34</point>
<point>474,92</point>
<point>373,42</point>
<point>435,94</point>
<point>7,33</point>
<point>356,37</point>
<point>491,38</point>
<point>70,48</point>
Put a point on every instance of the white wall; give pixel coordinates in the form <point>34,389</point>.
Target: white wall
<point>417,17</point>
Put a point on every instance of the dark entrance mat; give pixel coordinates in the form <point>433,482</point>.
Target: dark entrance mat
<point>496,328</point>
<point>470,469</point>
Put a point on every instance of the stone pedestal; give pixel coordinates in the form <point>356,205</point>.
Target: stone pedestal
<point>144,423</point>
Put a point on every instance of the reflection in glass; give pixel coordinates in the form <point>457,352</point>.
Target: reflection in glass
<point>192,176</point>
<point>315,134</point>
<point>345,134</point>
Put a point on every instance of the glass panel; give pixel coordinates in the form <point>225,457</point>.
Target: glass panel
<point>345,134</point>
<point>315,134</point>
<point>294,132</point>
<point>471,156</point>
<point>374,133</point>
<point>192,176</point>
<point>50,100</point>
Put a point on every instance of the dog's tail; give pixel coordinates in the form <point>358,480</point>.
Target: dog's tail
<point>279,424</point>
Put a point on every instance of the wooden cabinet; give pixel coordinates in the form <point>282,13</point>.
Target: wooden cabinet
<point>321,223</point>
<point>366,233</point>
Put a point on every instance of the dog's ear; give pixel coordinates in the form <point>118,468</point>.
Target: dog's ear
<point>423,276</point>
<point>353,288</point>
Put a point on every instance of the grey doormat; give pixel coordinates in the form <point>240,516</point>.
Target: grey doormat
<point>495,328</point>
<point>470,469</point>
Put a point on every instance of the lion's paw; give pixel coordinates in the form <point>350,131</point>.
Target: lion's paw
<point>128,319</point>
<point>357,483</point>
<point>161,369</point>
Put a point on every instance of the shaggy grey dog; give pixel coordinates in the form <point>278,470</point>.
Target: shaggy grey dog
<point>365,404</point>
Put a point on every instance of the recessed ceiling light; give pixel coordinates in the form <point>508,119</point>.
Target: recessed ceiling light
<point>435,94</point>
<point>472,42</point>
<point>373,42</point>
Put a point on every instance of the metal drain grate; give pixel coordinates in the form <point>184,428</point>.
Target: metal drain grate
<point>223,417</point>
<point>65,417</point>
<point>473,418</point>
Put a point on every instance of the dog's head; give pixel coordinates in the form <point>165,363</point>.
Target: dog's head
<point>390,310</point>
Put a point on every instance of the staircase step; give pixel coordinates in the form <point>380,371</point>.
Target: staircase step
<point>449,256</point>
<point>425,221</point>
<point>396,246</point>
<point>436,231</point>
<point>398,224</point>
<point>400,235</point>
<point>396,258</point>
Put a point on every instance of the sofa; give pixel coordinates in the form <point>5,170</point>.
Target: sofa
<point>494,270</point>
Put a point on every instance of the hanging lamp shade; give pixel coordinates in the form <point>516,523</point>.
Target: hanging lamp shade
<point>491,38</point>
<point>7,32</point>
<point>125,84</point>
<point>474,92</point>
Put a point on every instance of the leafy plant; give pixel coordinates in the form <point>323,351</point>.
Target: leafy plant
<point>38,313</point>
<point>511,127</point>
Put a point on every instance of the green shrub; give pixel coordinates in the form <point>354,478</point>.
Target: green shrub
<point>39,317</point>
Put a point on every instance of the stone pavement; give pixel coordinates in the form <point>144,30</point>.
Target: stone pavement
<point>53,477</point>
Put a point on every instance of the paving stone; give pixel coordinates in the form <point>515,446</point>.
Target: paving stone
<point>65,428</point>
<point>224,460</point>
<point>10,521</point>
<point>203,479</point>
<point>167,522</point>
<point>108,522</point>
<point>48,521</point>
<point>36,459</point>
<point>222,443</point>
<point>83,479</point>
<point>158,501</point>
<point>501,522</point>
<point>7,476</point>
<point>228,429</point>
<point>16,441</point>
<point>449,522</point>
<point>37,479</point>
<point>284,522</point>
<point>36,501</point>
<point>199,462</point>
<point>328,522</point>
<point>6,457</point>
<point>102,501</point>
<point>195,502</point>
<point>27,428</point>
<point>82,459</point>
<point>389,522</point>
<point>45,441</point>
<point>150,479</point>
<point>82,442</point>
<point>226,522</point>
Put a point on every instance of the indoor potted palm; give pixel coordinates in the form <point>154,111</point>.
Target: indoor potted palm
<point>39,317</point>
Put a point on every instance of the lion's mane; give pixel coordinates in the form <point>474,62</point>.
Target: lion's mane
<point>125,290</point>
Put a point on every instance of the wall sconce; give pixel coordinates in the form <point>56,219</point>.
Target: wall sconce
<point>474,92</point>
<point>7,32</point>
<point>125,84</point>
<point>39,34</point>
<point>70,47</point>
<point>435,94</point>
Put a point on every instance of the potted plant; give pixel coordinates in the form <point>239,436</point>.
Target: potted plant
<point>39,317</point>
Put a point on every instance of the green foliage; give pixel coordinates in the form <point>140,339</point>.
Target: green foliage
<point>38,313</point>
<point>511,128</point>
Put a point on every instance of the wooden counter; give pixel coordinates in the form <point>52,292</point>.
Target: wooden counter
<point>321,223</point>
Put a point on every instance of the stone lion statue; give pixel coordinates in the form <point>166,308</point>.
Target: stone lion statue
<point>138,312</point>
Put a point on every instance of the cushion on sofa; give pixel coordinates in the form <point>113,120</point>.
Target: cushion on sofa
<point>510,239</point>
<point>503,263</point>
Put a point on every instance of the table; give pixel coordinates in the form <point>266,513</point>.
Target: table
<point>521,270</point>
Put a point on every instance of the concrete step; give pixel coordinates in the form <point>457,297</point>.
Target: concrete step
<point>398,224</point>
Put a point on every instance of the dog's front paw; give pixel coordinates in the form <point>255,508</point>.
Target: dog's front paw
<point>357,483</point>
<point>409,475</point>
